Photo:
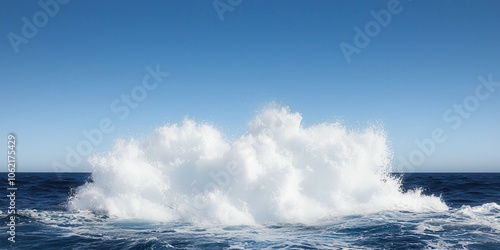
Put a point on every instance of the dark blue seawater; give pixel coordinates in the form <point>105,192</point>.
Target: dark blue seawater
<point>472,222</point>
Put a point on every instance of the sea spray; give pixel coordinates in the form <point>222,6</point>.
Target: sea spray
<point>278,171</point>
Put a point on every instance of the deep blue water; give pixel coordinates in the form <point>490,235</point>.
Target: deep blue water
<point>472,222</point>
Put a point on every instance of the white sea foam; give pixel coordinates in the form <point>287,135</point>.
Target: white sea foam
<point>487,215</point>
<point>278,171</point>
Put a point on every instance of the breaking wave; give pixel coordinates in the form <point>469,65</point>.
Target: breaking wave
<point>278,171</point>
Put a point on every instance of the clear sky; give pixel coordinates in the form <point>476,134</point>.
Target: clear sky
<point>227,62</point>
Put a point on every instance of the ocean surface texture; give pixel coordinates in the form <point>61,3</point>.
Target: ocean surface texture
<point>471,220</point>
<point>282,184</point>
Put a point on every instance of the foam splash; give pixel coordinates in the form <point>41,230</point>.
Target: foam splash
<point>487,215</point>
<point>279,171</point>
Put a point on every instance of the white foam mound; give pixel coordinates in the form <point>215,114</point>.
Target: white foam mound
<point>487,215</point>
<point>279,171</point>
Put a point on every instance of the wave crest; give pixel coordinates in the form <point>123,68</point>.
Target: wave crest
<point>278,171</point>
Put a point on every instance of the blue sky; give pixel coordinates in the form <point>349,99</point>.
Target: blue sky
<point>426,59</point>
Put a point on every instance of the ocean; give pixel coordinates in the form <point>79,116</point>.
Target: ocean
<point>280,185</point>
<point>472,221</point>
